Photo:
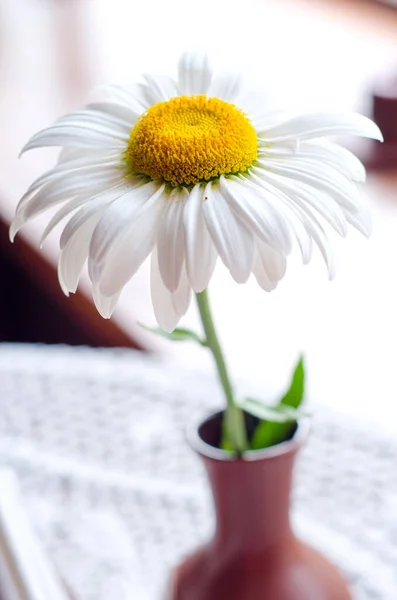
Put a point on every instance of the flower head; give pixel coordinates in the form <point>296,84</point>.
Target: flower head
<point>183,171</point>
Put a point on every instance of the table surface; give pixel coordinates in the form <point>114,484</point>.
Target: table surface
<point>96,438</point>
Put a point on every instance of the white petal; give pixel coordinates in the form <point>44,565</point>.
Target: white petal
<point>64,212</point>
<point>334,156</point>
<point>269,266</point>
<point>147,94</point>
<point>137,97</point>
<point>79,136</point>
<point>105,305</point>
<point>164,310</point>
<point>181,297</point>
<point>194,74</point>
<point>77,170</point>
<point>317,125</point>
<point>303,196</point>
<point>53,194</point>
<point>129,237</point>
<point>125,113</point>
<point>76,159</point>
<point>16,225</point>
<point>98,120</point>
<point>67,187</point>
<point>164,87</point>
<point>85,201</point>
<point>200,252</point>
<point>318,234</point>
<point>233,241</point>
<point>315,229</point>
<point>75,252</point>
<point>226,87</point>
<point>168,308</point>
<point>303,238</point>
<point>360,221</point>
<point>85,213</point>
<point>258,104</point>
<point>301,235</point>
<point>264,120</point>
<point>121,217</point>
<point>292,215</point>
<point>319,177</point>
<point>170,240</point>
<point>262,213</point>
<point>67,154</point>
<point>282,150</point>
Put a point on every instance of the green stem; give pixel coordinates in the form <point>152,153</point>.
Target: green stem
<point>235,423</point>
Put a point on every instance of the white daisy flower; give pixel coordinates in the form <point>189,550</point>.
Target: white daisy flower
<point>177,170</point>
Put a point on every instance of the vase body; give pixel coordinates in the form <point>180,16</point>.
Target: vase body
<point>254,554</point>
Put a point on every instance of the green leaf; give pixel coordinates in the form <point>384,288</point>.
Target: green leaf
<point>178,335</point>
<point>268,432</point>
<point>278,413</point>
<point>294,396</point>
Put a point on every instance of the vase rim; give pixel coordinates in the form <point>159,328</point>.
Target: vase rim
<point>207,450</point>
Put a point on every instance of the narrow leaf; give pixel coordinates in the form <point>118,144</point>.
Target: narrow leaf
<point>178,335</point>
<point>278,413</point>
<point>294,396</point>
<point>268,432</point>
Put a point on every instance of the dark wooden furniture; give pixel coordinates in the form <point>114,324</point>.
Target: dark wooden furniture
<point>34,309</point>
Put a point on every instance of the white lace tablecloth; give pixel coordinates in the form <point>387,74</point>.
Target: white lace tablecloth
<point>96,439</point>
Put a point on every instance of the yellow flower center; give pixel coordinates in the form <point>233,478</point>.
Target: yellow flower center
<point>191,139</point>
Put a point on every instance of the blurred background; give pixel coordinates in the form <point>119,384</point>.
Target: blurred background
<point>319,54</point>
<point>71,416</point>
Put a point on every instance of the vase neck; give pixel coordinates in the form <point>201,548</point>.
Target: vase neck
<point>252,500</point>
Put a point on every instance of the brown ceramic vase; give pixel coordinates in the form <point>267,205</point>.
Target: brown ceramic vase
<point>254,554</point>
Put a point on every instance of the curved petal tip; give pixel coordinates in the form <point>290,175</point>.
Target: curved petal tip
<point>14,228</point>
